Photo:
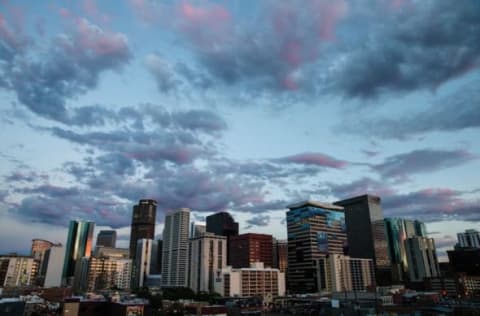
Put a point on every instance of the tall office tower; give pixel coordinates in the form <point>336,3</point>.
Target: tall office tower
<point>422,258</point>
<point>342,273</point>
<point>223,224</point>
<point>146,261</point>
<point>469,239</point>
<point>398,230</point>
<point>366,233</point>
<point>78,246</point>
<point>315,230</point>
<point>38,251</point>
<point>16,271</point>
<point>197,229</point>
<point>246,249</point>
<point>280,255</point>
<point>175,249</point>
<point>107,238</point>
<point>52,265</point>
<point>208,253</point>
<point>143,223</point>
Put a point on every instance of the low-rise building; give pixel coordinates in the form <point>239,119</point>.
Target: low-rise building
<point>16,270</point>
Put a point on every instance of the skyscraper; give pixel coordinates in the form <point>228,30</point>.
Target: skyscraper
<point>366,233</point>
<point>315,230</point>
<point>248,248</point>
<point>107,238</point>
<point>222,224</point>
<point>175,249</point>
<point>422,258</point>
<point>146,260</point>
<point>78,246</point>
<point>398,230</point>
<point>143,223</point>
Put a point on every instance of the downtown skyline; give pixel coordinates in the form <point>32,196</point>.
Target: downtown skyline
<point>238,106</point>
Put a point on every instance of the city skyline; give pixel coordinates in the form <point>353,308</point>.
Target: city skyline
<point>237,106</point>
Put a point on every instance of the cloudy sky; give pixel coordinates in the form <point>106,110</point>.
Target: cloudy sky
<point>243,106</point>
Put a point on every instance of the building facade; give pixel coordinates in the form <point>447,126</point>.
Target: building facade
<point>315,230</point>
<point>422,258</point>
<point>52,266</point>
<point>249,282</point>
<point>469,239</point>
<point>197,229</point>
<point>280,255</point>
<point>366,233</point>
<point>109,273</point>
<point>143,223</point>
<point>17,271</point>
<point>248,248</point>
<point>398,230</point>
<point>222,224</point>
<point>107,238</point>
<point>175,249</point>
<point>78,246</point>
<point>340,273</point>
<point>146,261</point>
<point>208,253</point>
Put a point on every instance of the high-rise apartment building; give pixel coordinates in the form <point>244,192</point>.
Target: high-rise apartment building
<point>107,238</point>
<point>422,258</point>
<point>338,273</point>
<point>38,251</point>
<point>197,229</point>
<point>280,255</point>
<point>208,253</point>
<point>366,233</point>
<point>143,223</point>
<point>469,239</point>
<point>175,249</point>
<point>16,271</point>
<point>248,248</point>
<point>78,246</point>
<point>223,224</point>
<point>398,230</point>
<point>249,282</point>
<point>315,230</point>
<point>107,273</point>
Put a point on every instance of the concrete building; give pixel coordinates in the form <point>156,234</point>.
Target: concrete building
<point>208,253</point>
<point>340,273</point>
<point>143,223</point>
<point>175,249</point>
<point>111,252</point>
<point>422,258</point>
<point>247,282</point>
<point>398,230</point>
<point>108,273</point>
<point>315,230</point>
<point>469,239</point>
<point>248,248</point>
<point>146,261</point>
<point>17,271</point>
<point>52,266</point>
<point>78,246</point>
<point>366,233</point>
<point>197,229</point>
<point>107,238</point>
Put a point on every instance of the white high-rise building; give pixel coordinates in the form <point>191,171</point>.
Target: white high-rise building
<point>422,258</point>
<point>469,239</point>
<point>208,253</point>
<point>105,273</point>
<point>338,273</point>
<point>175,249</point>
<point>52,266</point>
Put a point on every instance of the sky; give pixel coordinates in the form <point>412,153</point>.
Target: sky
<point>241,106</point>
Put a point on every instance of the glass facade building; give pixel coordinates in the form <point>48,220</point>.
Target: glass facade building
<point>143,223</point>
<point>315,230</point>
<point>78,246</point>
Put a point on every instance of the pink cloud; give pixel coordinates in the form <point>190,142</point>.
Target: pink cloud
<point>316,159</point>
<point>14,38</point>
<point>90,7</point>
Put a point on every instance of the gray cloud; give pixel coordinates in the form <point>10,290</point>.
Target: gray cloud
<point>258,220</point>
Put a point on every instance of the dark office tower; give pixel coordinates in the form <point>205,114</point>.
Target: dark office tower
<point>78,246</point>
<point>366,233</point>
<point>315,231</point>
<point>143,223</point>
<point>249,248</point>
<point>280,255</point>
<point>107,238</point>
<point>223,224</point>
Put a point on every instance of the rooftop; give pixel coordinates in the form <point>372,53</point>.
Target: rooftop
<point>316,204</point>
